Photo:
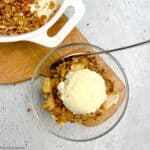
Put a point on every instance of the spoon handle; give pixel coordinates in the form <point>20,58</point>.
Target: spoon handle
<point>103,51</point>
<point>129,46</point>
<point>125,47</point>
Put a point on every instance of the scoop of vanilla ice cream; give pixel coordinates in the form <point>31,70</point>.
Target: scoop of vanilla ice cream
<point>83,91</point>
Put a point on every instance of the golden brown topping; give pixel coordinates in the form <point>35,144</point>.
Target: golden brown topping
<point>16,16</point>
<point>51,4</point>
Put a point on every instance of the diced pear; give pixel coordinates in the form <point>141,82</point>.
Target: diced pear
<point>47,85</point>
<point>111,99</point>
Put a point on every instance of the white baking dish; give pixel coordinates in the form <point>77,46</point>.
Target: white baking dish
<point>40,35</point>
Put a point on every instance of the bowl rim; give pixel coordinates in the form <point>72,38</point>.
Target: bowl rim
<point>122,71</point>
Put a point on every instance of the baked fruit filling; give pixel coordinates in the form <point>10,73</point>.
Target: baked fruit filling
<point>53,98</point>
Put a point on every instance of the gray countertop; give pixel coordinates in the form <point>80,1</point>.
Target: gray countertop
<point>109,24</point>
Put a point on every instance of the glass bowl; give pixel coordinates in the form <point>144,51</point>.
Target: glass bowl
<point>72,131</point>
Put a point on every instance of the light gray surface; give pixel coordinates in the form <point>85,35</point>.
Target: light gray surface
<point>109,24</point>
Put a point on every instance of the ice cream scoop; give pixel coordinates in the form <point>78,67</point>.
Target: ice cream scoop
<point>83,91</point>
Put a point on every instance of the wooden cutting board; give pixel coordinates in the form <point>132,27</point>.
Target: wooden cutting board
<point>18,61</point>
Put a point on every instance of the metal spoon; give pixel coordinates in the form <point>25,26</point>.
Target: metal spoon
<point>96,53</point>
<point>116,49</point>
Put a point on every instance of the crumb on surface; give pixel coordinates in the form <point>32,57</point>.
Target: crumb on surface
<point>29,109</point>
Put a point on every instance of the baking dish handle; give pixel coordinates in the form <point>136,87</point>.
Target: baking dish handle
<point>42,37</point>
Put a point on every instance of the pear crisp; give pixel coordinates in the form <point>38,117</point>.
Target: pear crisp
<point>58,71</point>
<point>16,16</point>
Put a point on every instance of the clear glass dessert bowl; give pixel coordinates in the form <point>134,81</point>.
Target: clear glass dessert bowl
<point>73,131</point>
